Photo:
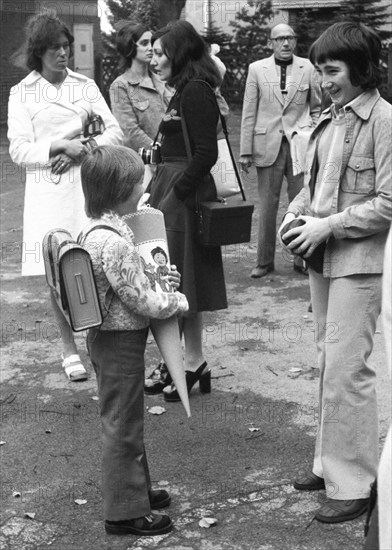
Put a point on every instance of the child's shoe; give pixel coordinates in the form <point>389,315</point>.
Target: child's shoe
<point>146,526</point>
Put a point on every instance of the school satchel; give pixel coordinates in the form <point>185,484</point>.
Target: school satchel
<point>221,222</point>
<point>69,273</point>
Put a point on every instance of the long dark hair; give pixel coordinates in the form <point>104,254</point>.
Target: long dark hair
<point>356,45</point>
<point>188,55</point>
<point>128,33</point>
<point>41,32</point>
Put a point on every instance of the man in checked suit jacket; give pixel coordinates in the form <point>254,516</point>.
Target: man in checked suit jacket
<point>282,101</point>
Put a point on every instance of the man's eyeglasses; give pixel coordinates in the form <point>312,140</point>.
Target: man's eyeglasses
<point>282,39</point>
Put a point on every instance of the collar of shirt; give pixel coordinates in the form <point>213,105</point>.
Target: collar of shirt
<point>34,76</point>
<point>283,63</point>
<point>151,80</point>
<point>114,220</point>
<point>355,104</point>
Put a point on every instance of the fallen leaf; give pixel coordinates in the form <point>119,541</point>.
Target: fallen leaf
<point>30,515</point>
<point>271,370</point>
<point>80,501</point>
<point>157,410</point>
<point>206,523</point>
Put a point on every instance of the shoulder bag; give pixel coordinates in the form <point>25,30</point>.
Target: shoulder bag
<point>220,222</point>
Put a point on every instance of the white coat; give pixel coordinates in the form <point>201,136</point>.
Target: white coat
<point>38,114</point>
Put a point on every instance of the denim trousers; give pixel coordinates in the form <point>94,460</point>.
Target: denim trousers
<point>346,452</point>
<point>118,361</point>
<point>269,186</point>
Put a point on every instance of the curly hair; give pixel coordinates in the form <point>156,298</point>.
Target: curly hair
<point>41,31</point>
<point>188,54</point>
<point>356,45</point>
<point>128,33</point>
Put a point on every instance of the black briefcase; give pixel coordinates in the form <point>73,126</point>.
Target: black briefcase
<point>223,223</point>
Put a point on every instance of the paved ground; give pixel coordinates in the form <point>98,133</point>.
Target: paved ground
<point>234,460</point>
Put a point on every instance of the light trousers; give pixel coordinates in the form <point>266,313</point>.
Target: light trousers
<point>269,186</point>
<point>346,453</point>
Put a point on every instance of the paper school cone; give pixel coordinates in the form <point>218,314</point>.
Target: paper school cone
<point>148,227</point>
<point>168,339</point>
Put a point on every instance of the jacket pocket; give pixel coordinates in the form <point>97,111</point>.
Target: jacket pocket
<point>141,105</point>
<point>259,141</point>
<point>360,176</point>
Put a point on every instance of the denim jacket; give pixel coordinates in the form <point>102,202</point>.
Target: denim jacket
<point>362,203</point>
<point>139,105</point>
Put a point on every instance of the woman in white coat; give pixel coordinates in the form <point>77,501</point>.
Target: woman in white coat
<point>47,115</point>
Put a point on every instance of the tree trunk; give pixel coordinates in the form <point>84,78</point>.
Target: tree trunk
<point>169,10</point>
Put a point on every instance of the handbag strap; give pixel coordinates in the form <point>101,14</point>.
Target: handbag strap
<point>156,138</point>
<point>186,135</point>
<point>226,134</point>
<point>188,151</point>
